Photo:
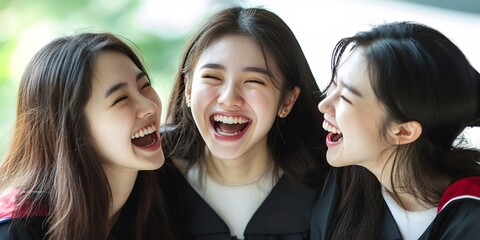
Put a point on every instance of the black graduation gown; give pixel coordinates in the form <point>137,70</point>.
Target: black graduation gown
<point>35,226</point>
<point>284,214</point>
<point>459,219</point>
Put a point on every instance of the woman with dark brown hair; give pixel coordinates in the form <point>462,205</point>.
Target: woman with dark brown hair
<point>244,160</point>
<point>85,132</point>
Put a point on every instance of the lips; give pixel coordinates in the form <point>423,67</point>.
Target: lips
<point>335,135</point>
<point>229,126</point>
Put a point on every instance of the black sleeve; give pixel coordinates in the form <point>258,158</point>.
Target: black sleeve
<point>461,220</point>
<point>23,229</point>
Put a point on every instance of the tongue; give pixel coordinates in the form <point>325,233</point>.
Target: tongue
<point>144,141</point>
<point>231,128</point>
<point>337,137</point>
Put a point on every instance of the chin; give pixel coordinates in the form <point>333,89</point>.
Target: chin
<point>335,162</point>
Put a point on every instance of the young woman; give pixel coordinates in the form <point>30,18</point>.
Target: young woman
<point>400,96</point>
<point>243,133</point>
<point>86,126</point>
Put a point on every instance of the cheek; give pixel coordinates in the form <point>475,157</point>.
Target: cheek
<point>201,97</point>
<point>201,92</point>
<point>260,101</point>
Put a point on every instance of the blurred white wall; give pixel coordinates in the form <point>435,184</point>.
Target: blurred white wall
<point>318,26</point>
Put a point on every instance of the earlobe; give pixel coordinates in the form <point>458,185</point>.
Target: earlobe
<point>407,132</point>
<point>288,101</point>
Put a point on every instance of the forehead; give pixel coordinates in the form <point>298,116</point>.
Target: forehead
<point>354,71</point>
<point>113,66</point>
<point>353,67</point>
<point>240,49</point>
<point>111,61</point>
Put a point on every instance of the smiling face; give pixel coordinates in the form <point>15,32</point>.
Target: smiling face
<point>353,116</point>
<point>123,113</point>
<point>233,99</point>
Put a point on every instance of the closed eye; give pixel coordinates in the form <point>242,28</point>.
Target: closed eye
<point>255,81</point>
<point>345,99</point>
<point>121,98</point>
<point>146,85</point>
<point>210,76</point>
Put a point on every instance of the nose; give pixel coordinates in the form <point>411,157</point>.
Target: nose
<point>230,96</point>
<point>326,105</point>
<point>147,106</point>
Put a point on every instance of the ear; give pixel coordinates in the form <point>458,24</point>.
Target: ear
<point>186,82</point>
<point>407,132</point>
<point>288,101</point>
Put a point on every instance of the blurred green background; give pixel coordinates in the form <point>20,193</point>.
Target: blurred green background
<point>160,28</point>
<point>27,25</point>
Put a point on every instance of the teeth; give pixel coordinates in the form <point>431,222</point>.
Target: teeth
<point>329,128</point>
<point>144,131</point>
<point>219,131</point>
<point>230,120</point>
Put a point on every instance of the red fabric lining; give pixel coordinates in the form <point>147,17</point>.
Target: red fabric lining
<point>464,188</point>
<point>9,208</point>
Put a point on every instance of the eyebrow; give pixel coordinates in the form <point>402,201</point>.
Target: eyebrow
<point>245,69</point>
<point>257,69</point>
<point>351,89</point>
<point>120,85</point>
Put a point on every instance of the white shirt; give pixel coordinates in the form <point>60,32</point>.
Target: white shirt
<point>412,224</point>
<point>235,204</point>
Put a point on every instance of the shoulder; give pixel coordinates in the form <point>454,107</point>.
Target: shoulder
<point>459,191</point>
<point>10,208</point>
<point>323,208</point>
<point>21,222</point>
<point>27,228</point>
<point>458,212</point>
<point>459,220</point>
<point>326,199</point>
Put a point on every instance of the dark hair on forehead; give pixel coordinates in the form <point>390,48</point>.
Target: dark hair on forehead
<point>266,28</point>
<point>417,74</point>
<point>52,144</point>
<point>288,68</point>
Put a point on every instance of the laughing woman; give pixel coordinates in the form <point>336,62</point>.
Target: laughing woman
<point>86,126</point>
<point>400,96</point>
<point>243,142</point>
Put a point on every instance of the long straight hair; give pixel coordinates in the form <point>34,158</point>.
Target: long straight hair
<point>294,141</point>
<point>53,152</point>
<point>418,74</point>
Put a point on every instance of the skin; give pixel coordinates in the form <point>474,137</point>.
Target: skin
<point>231,80</point>
<point>113,119</point>
<point>352,108</point>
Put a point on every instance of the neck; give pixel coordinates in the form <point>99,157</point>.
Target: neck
<point>121,183</point>
<point>408,201</point>
<point>403,197</point>
<point>383,172</point>
<point>238,171</point>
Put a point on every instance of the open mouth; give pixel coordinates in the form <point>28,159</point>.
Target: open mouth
<point>145,137</point>
<point>335,135</point>
<point>229,126</point>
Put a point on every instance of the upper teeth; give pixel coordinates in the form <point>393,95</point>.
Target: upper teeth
<point>144,131</point>
<point>230,120</point>
<point>328,127</point>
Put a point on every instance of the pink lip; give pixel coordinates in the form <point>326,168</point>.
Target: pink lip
<point>329,141</point>
<point>228,138</point>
